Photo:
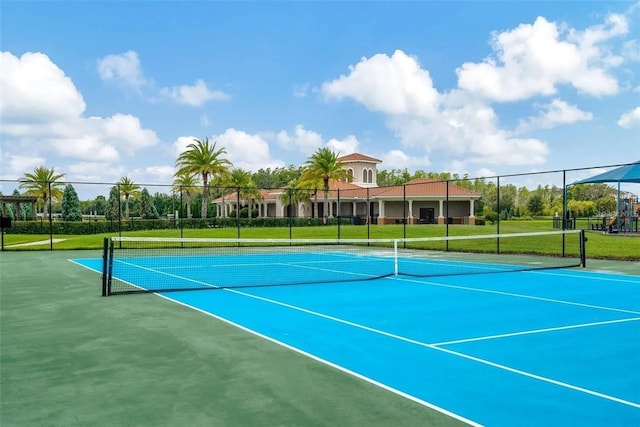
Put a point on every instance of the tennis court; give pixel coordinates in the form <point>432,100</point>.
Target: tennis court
<point>533,346</point>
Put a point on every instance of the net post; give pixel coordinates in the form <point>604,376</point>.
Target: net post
<point>395,257</point>
<point>110,267</point>
<point>583,249</point>
<point>105,255</point>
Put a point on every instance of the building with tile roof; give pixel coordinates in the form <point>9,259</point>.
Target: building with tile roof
<point>420,201</point>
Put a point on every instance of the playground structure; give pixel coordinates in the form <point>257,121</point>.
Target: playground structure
<point>626,219</point>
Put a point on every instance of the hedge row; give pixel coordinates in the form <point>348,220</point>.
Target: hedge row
<point>102,226</point>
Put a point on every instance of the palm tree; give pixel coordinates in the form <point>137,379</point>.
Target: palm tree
<point>324,165</point>
<point>202,158</point>
<point>128,189</point>
<point>43,184</point>
<point>310,186</point>
<point>294,194</point>
<point>241,180</point>
<point>186,184</point>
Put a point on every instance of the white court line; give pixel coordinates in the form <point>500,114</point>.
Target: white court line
<point>510,294</point>
<point>588,275</point>
<point>175,276</point>
<point>536,331</point>
<point>400,338</point>
<point>264,264</point>
<point>431,346</point>
<point>326,362</point>
<point>429,283</point>
<point>300,351</point>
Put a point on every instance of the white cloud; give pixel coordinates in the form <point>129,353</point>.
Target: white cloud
<point>631,50</point>
<point>194,95</point>
<point>125,132</point>
<point>161,174</point>
<point>85,147</point>
<point>455,123</point>
<point>122,68</point>
<point>41,112</point>
<point>95,171</point>
<point>18,163</point>
<point>630,118</point>
<point>303,140</point>
<point>533,59</point>
<point>246,151</point>
<point>308,141</point>
<point>180,145</point>
<point>344,146</point>
<point>390,84</point>
<point>205,121</point>
<point>482,172</point>
<point>34,90</point>
<point>398,159</point>
<point>556,113</point>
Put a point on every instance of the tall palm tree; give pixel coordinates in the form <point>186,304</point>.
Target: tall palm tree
<point>241,181</point>
<point>186,184</point>
<point>202,158</point>
<point>43,184</point>
<point>324,165</point>
<point>128,189</point>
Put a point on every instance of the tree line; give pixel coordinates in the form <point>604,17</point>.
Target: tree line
<point>203,172</point>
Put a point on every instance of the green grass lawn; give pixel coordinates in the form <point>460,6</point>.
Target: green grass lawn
<point>599,246</point>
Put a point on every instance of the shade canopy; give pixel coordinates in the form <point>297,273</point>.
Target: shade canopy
<point>627,173</point>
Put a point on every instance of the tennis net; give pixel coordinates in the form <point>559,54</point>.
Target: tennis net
<point>138,264</point>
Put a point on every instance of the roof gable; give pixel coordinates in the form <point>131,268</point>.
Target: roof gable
<point>357,157</point>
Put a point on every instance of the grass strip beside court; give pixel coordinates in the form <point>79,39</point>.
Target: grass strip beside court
<point>599,246</point>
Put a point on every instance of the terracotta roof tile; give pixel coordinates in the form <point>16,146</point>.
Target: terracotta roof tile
<point>357,157</point>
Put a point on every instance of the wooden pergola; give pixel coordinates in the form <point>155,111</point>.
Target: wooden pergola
<point>16,201</point>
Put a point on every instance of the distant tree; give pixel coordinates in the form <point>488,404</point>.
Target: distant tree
<point>100,205</point>
<point>202,158</point>
<point>164,203</point>
<point>24,209</point>
<point>44,184</point>
<point>241,181</point>
<point>324,165</point>
<point>310,187</point>
<point>591,192</point>
<point>113,204</point>
<point>9,210</point>
<point>535,205</point>
<point>147,208</point>
<point>71,210</point>
<point>606,204</point>
<point>186,185</point>
<point>128,189</point>
<point>276,178</point>
<point>293,195</point>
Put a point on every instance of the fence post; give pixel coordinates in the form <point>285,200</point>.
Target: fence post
<point>338,212</point>
<point>498,218</point>
<point>50,217</point>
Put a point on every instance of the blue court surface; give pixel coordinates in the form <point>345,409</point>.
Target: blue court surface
<point>553,347</point>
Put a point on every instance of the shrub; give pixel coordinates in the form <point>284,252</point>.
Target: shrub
<point>492,217</point>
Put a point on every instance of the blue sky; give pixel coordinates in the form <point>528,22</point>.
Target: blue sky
<point>102,90</point>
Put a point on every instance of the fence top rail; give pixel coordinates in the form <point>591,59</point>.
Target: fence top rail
<point>336,241</point>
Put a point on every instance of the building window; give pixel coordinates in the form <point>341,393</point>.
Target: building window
<point>349,175</point>
<point>364,175</point>
<point>370,176</point>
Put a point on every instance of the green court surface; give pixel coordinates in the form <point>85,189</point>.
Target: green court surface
<point>70,357</point>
